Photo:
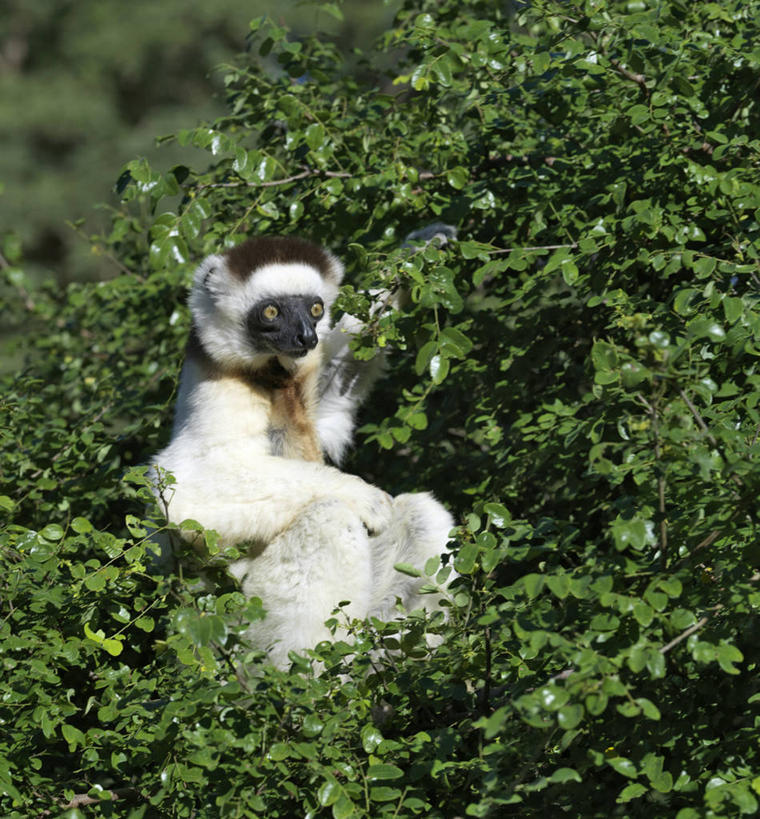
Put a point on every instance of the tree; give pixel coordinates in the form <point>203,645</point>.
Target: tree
<point>575,376</point>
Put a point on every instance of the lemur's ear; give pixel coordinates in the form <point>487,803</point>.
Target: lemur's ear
<point>333,271</point>
<point>210,274</point>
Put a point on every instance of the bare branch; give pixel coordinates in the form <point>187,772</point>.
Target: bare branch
<point>274,182</point>
<point>689,631</point>
<point>539,247</point>
<point>697,417</point>
<point>82,799</point>
<point>639,79</point>
<point>703,426</point>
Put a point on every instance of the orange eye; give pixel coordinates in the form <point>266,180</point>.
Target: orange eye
<point>271,312</point>
<point>317,309</point>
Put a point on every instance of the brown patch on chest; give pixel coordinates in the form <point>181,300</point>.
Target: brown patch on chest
<point>291,414</point>
<point>291,420</point>
<point>291,398</point>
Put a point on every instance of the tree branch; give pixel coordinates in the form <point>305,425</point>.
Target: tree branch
<point>703,426</point>
<point>274,182</point>
<point>82,799</point>
<point>697,417</point>
<point>538,247</point>
<point>689,631</point>
<point>639,79</point>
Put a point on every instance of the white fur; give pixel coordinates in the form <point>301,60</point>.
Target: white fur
<point>313,536</point>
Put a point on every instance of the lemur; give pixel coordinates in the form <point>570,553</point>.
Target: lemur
<point>269,388</point>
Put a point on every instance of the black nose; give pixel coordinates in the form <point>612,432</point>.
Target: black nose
<point>306,338</point>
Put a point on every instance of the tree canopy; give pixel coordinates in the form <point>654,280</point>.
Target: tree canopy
<point>576,377</point>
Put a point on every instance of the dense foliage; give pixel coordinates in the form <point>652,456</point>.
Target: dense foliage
<point>577,377</point>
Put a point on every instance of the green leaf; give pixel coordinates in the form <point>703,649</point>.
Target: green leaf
<point>454,342</point>
<point>81,526</point>
<point>95,636</point>
<point>384,794</point>
<point>733,308</point>
<point>371,738</point>
<point>534,584</point>
<point>457,178</point>
<point>623,766</point>
<point>383,771</point>
<point>552,697</point>
<point>73,736</point>
<point>643,613</point>
<point>562,775</point>
<point>113,647</point>
<point>328,793</point>
<point>200,627</point>
<point>634,533</point>
<point>312,725</point>
<point>466,558</point>
<point>706,328</point>
<point>343,808</point>
<point>604,356</point>
<point>442,70</point>
<point>279,751</point>
<point>424,356</point>
<point>315,135</point>
<point>684,301</point>
<point>727,655</point>
<point>648,708</point>
<point>663,783</point>
<point>498,514</point>
<point>439,368</point>
<point>570,716</point>
<point>95,582</point>
<point>146,624</point>
<point>559,584</point>
<point>569,271</point>
<point>631,791</point>
<point>408,569</point>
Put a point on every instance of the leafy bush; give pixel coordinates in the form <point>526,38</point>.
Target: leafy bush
<point>577,377</point>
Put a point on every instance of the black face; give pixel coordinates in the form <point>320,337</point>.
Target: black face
<point>285,325</point>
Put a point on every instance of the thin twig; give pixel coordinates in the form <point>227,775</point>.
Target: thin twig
<point>703,426</point>
<point>697,417</point>
<point>81,799</point>
<point>274,182</point>
<point>689,631</point>
<point>653,411</point>
<point>755,436</point>
<point>485,705</point>
<point>540,247</point>
<point>705,542</point>
<point>639,79</point>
